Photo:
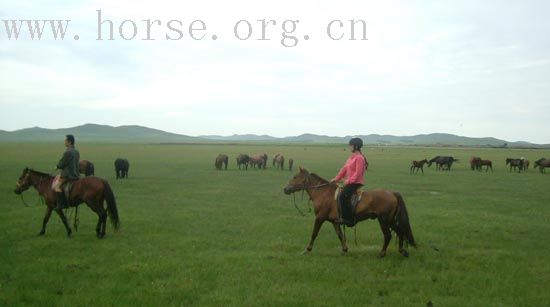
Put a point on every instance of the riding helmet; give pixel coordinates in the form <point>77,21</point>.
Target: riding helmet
<point>357,143</point>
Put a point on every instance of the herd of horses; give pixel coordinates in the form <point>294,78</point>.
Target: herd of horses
<point>254,161</point>
<point>444,163</point>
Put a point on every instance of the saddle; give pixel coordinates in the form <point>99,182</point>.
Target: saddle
<point>355,199</point>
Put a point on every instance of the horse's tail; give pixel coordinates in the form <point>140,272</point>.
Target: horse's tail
<point>111,205</point>
<point>403,227</point>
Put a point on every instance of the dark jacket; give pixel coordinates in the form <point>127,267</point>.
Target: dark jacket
<point>69,164</point>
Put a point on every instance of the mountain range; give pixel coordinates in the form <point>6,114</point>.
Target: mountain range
<point>139,134</point>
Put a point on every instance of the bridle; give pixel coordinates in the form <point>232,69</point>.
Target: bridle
<point>306,184</point>
<point>19,186</point>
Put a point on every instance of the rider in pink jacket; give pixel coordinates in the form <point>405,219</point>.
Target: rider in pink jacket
<point>354,172</point>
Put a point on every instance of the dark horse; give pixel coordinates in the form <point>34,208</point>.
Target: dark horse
<point>122,166</point>
<point>417,165</point>
<point>386,206</point>
<point>515,163</point>
<point>487,163</point>
<point>86,167</point>
<point>290,164</point>
<point>542,164</point>
<point>221,160</point>
<point>90,190</point>
<point>442,162</point>
<point>243,159</point>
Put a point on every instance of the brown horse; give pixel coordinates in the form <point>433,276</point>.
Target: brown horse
<point>525,164</point>
<point>258,160</point>
<point>279,161</point>
<point>290,164</point>
<point>417,165</point>
<point>86,167</point>
<point>90,190</point>
<point>487,163</point>
<point>221,160</point>
<point>474,163</point>
<point>542,164</point>
<point>386,206</point>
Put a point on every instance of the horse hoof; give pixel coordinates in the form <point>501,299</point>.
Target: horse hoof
<point>41,233</point>
<point>69,234</point>
<point>381,254</point>
<point>306,251</point>
<point>404,253</point>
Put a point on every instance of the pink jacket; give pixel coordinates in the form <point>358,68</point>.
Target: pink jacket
<point>353,170</point>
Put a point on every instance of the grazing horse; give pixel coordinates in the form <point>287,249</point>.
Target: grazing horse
<point>487,163</point>
<point>474,163</point>
<point>258,160</point>
<point>525,164</point>
<point>275,157</point>
<point>418,165</point>
<point>90,190</point>
<point>243,159</point>
<point>221,160</point>
<point>515,163</point>
<point>279,161</point>
<point>542,164</point>
<point>121,168</point>
<point>290,164</point>
<point>442,162</point>
<point>86,167</point>
<point>386,206</point>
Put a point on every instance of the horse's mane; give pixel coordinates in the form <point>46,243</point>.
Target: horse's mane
<point>40,173</point>
<point>319,178</point>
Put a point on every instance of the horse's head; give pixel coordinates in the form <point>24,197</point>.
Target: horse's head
<point>24,181</point>
<point>537,163</point>
<point>508,160</point>
<point>298,182</point>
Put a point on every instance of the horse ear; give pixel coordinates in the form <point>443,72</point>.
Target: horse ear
<point>301,169</point>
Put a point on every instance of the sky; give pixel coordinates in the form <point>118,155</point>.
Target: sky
<point>472,68</point>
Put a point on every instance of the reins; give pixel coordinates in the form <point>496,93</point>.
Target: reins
<point>305,186</point>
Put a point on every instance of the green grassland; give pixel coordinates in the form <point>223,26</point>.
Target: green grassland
<point>192,235</point>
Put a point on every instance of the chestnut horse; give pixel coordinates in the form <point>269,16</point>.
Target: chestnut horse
<point>90,190</point>
<point>386,206</point>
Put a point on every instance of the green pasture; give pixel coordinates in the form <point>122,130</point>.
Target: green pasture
<point>192,235</point>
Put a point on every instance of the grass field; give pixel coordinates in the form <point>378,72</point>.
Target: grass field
<point>191,235</point>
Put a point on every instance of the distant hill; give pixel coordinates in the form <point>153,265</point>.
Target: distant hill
<point>139,134</point>
<point>96,133</point>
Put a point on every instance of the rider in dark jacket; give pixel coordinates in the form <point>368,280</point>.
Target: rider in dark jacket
<point>69,171</point>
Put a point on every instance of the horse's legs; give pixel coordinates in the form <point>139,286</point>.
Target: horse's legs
<point>411,170</point>
<point>64,220</point>
<point>46,219</point>
<point>101,218</point>
<point>316,227</point>
<point>387,236</point>
<point>422,169</point>
<point>340,235</point>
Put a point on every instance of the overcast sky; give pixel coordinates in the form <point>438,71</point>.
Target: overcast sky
<point>472,68</point>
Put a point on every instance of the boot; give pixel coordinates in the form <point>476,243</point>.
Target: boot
<point>61,201</point>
